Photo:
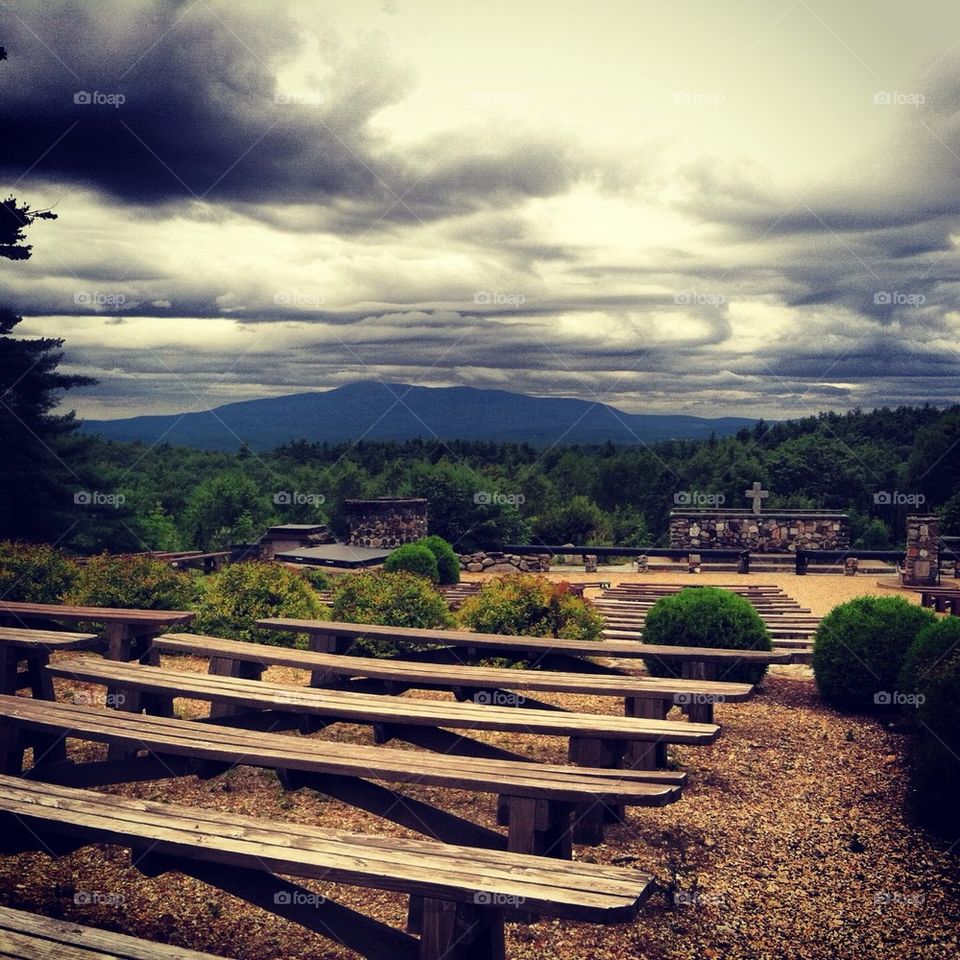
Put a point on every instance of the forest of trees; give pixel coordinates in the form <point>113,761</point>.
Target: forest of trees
<point>485,494</point>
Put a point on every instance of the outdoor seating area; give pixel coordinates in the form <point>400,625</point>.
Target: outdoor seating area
<point>445,744</point>
<point>461,875</point>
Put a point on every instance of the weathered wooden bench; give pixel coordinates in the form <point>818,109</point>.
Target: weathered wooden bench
<point>127,632</point>
<point>425,723</point>
<point>547,804</point>
<point>27,936</point>
<point>459,895</point>
<point>578,656</point>
<point>32,648</point>
<point>644,696</point>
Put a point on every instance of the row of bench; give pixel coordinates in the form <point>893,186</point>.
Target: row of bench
<point>460,888</point>
<point>791,627</point>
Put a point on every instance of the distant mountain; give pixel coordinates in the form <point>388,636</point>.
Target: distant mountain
<point>377,411</point>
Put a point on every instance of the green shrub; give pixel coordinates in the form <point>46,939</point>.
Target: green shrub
<point>523,604</point>
<point>242,593</point>
<point>930,681</point>
<point>35,573</point>
<point>448,563</point>
<point>396,599</point>
<point>933,644</point>
<point>859,649</point>
<point>138,582</point>
<point>317,578</point>
<point>413,558</point>
<point>707,617</point>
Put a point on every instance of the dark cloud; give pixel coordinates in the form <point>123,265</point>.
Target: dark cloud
<point>180,102</point>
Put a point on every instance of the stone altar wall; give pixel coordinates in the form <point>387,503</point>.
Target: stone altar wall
<point>760,533</point>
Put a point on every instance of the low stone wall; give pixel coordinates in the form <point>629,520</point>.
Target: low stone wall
<point>760,533</point>
<point>485,562</point>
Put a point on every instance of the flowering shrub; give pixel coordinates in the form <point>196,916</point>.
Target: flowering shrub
<point>138,582</point>
<point>232,601</point>
<point>522,604</point>
<point>34,573</point>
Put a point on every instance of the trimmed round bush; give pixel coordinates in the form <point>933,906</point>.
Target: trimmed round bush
<point>860,647</point>
<point>934,670</point>
<point>707,617</point>
<point>413,558</point>
<point>138,582</point>
<point>397,599</point>
<point>242,593</point>
<point>35,573</point>
<point>934,644</point>
<point>448,563</point>
<point>522,604</point>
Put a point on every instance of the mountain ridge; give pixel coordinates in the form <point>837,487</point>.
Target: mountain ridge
<point>372,410</point>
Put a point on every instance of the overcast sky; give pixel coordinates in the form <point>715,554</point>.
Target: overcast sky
<point>748,207</point>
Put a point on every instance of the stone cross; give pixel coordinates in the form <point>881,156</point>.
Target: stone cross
<point>757,495</point>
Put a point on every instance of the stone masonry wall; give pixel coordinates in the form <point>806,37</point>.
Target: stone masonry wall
<point>385,522</point>
<point>484,562</point>
<point>760,533</point>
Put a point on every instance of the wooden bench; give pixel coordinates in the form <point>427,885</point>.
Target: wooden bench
<point>26,936</point>
<point>459,895</point>
<point>546,805</point>
<point>579,656</point>
<point>425,723</point>
<point>33,648</point>
<point>127,632</point>
<point>644,696</point>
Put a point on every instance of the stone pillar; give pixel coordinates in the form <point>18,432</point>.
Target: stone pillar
<point>850,566</point>
<point>923,541</point>
<point>590,563</point>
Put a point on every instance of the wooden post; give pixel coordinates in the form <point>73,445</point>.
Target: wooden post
<point>229,667</point>
<point>643,754</point>
<point>539,827</point>
<point>589,818</point>
<point>699,712</point>
<point>460,931</point>
<point>327,643</point>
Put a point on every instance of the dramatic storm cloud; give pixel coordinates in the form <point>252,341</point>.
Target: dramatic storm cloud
<point>747,211</point>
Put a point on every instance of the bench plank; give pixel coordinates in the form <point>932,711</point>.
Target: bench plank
<point>454,676</point>
<point>51,611</point>
<point>368,708</point>
<point>27,936</point>
<point>25,638</point>
<point>552,888</point>
<point>492,641</point>
<point>211,742</point>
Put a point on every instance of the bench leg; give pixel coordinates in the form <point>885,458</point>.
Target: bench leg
<point>9,664</point>
<point>646,754</point>
<point>540,827</point>
<point>699,670</point>
<point>11,750</point>
<point>459,931</point>
<point>589,818</point>
<point>226,667</point>
<point>325,643</point>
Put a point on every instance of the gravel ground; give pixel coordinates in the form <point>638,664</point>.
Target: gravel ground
<point>789,842</point>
